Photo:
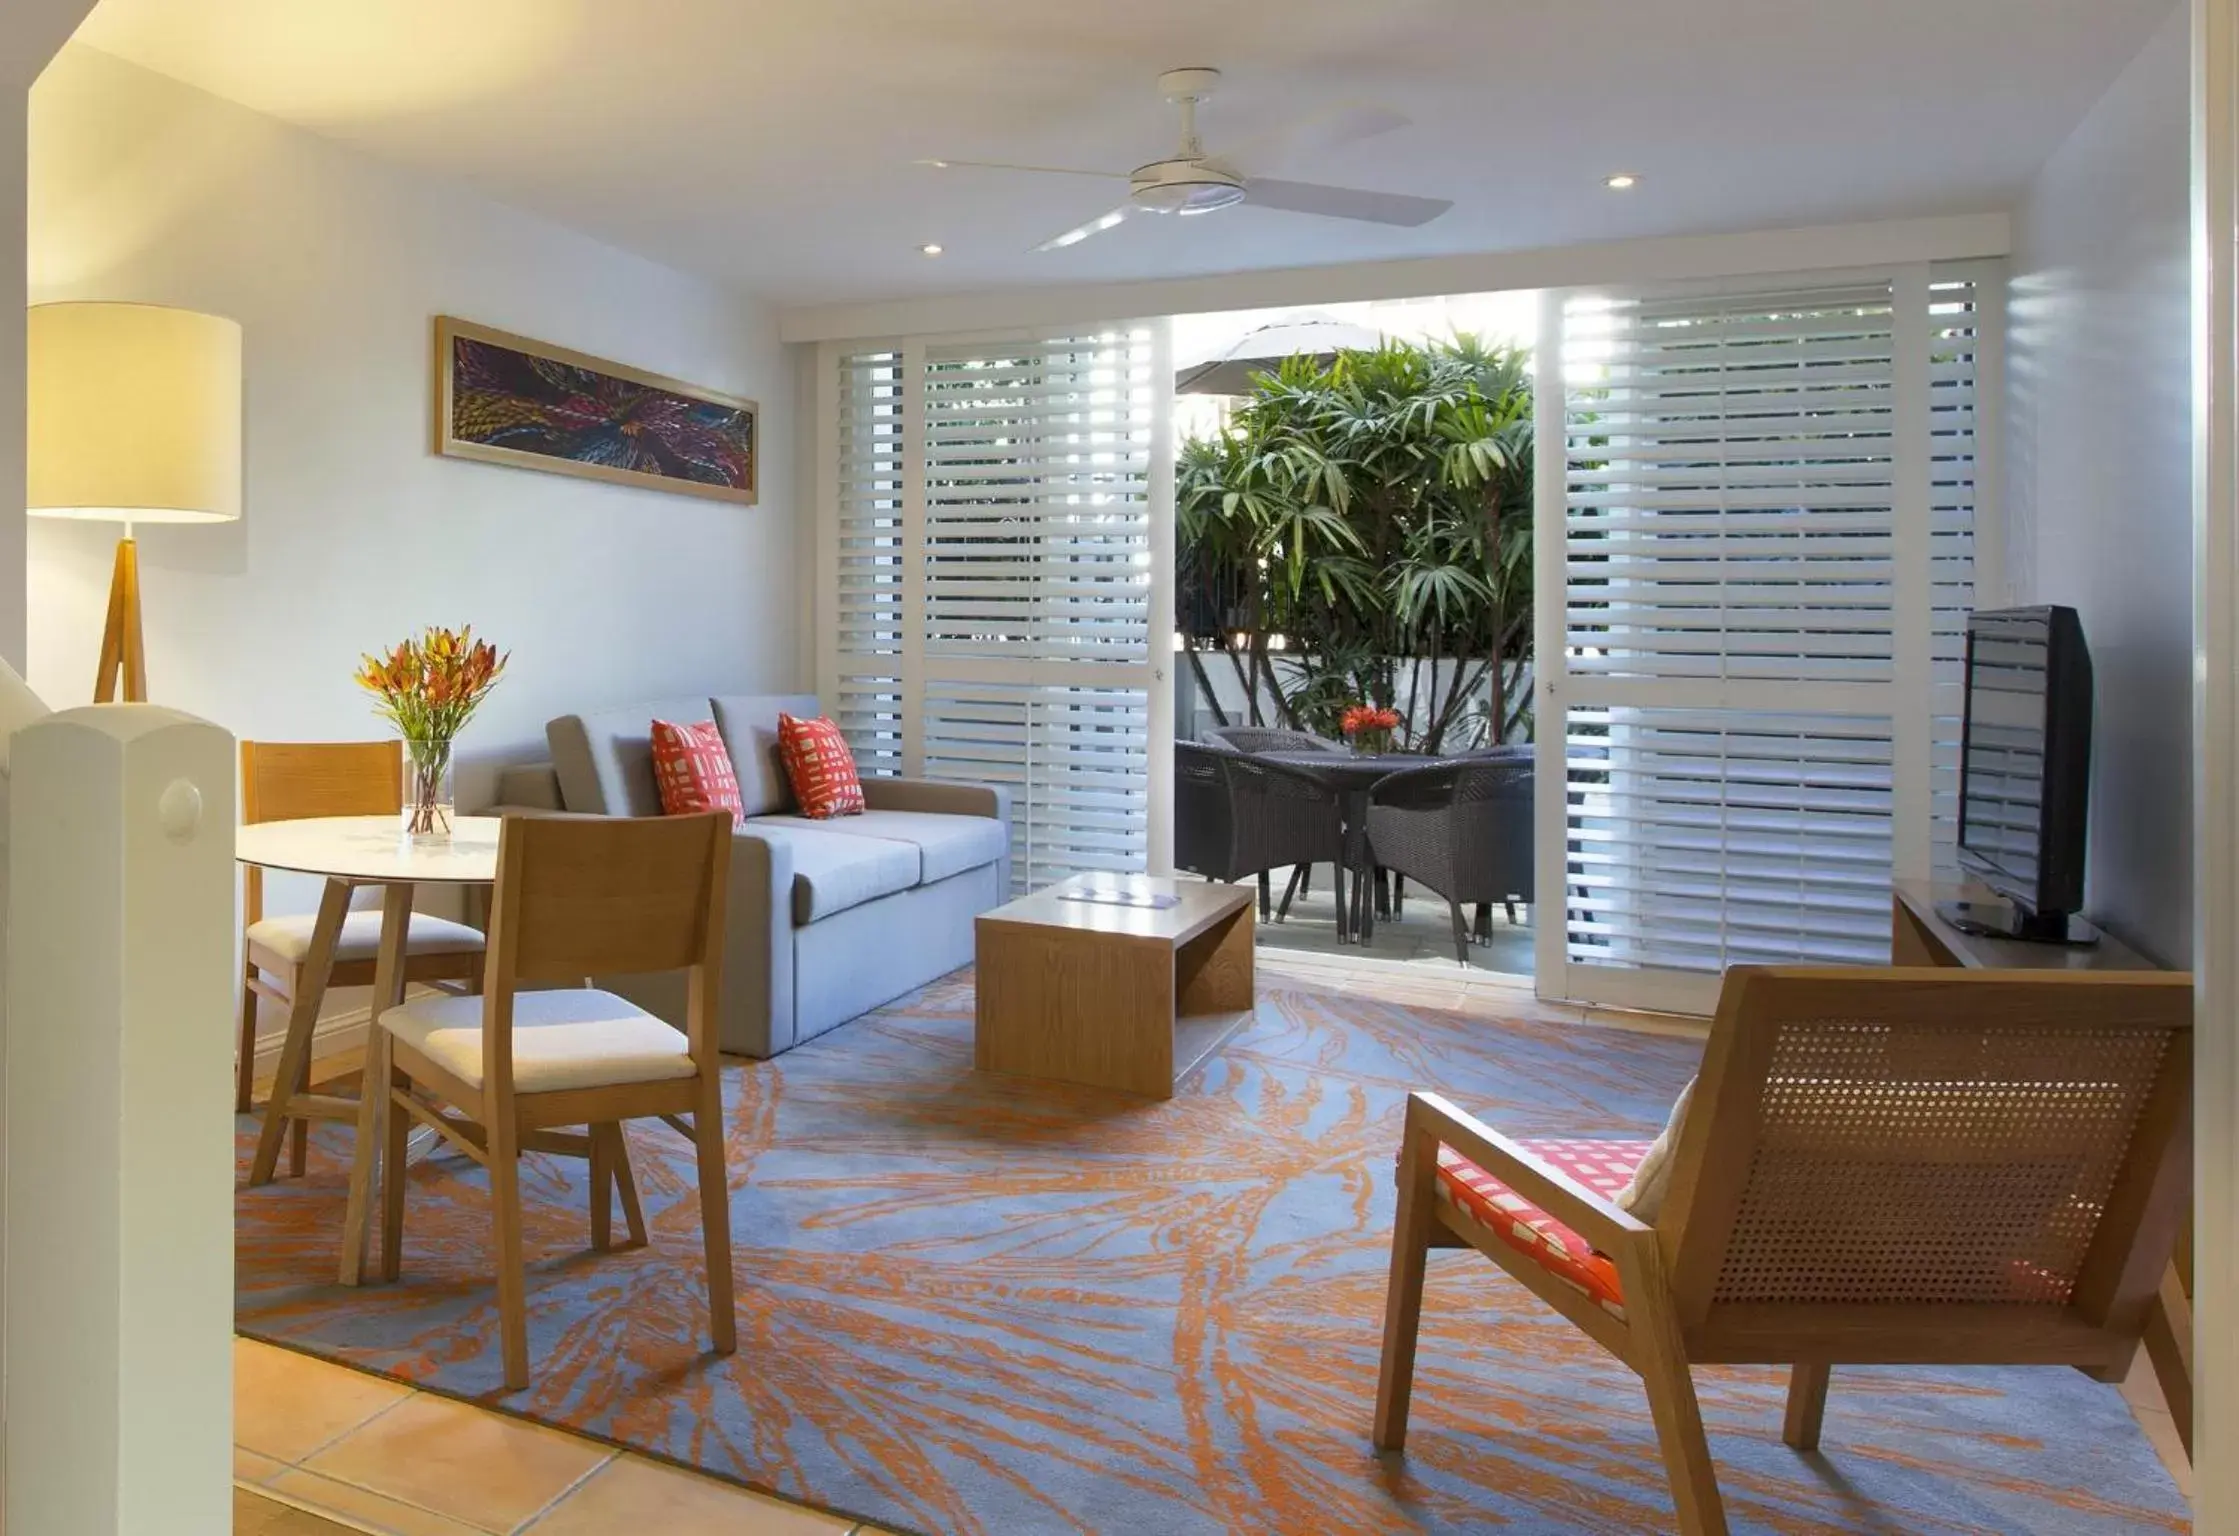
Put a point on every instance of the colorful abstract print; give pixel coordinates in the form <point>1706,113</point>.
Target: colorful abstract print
<point>504,398</point>
<point>991,1307</point>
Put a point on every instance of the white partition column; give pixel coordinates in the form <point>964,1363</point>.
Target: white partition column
<point>119,1267</point>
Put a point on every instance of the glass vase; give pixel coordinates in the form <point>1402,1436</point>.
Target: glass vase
<point>428,802</point>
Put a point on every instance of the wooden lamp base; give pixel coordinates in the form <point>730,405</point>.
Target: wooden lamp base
<point>121,647</point>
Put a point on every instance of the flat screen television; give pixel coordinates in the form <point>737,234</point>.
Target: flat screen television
<point>2025,774</point>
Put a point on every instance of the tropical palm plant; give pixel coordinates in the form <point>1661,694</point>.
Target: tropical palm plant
<point>1375,514</point>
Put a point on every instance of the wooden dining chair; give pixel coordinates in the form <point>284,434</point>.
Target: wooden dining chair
<point>1877,1167</point>
<point>287,781</point>
<point>501,1074</point>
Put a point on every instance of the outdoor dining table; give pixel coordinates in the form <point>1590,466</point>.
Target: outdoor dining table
<point>1353,775</point>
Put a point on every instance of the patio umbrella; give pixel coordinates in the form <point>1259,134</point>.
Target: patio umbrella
<point>1229,371</point>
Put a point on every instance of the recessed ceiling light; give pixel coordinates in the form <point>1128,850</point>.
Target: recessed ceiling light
<point>1623,181</point>
<point>930,250</point>
<point>938,165</point>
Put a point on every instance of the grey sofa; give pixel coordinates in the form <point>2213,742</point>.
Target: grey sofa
<point>826,919</point>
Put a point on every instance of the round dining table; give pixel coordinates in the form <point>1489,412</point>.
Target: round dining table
<point>1353,775</point>
<point>349,852</point>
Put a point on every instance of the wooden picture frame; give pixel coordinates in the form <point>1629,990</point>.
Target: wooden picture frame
<point>491,387</point>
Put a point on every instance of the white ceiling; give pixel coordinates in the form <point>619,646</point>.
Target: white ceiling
<point>770,145</point>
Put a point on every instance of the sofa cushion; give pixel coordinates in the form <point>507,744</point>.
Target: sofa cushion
<point>605,761</point>
<point>947,845</point>
<point>749,725</point>
<point>820,766</point>
<point>529,787</point>
<point>833,871</point>
<point>692,770</point>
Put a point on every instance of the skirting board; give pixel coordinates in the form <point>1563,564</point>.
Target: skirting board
<point>334,1036</point>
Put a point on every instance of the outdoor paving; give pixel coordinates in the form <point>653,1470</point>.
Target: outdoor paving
<point>1423,935</point>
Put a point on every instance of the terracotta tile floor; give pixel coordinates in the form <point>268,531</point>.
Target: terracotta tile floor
<point>314,1440</point>
<point>255,1515</point>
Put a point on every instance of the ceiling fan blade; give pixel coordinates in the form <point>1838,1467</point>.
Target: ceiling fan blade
<point>1095,226</point>
<point>1001,165</point>
<point>1344,202</point>
<point>1317,133</point>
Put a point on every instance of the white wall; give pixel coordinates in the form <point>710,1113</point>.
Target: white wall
<point>30,32</point>
<point>2099,456</point>
<point>354,533</point>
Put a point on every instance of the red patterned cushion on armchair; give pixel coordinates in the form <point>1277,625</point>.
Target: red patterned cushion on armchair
<point>1602,1166</point>
<point>820,766</point>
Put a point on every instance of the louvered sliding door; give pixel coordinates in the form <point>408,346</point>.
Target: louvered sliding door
<point>1966,352</point>
<point>860,612</point>
<point>1756,545</point>
<point>998,551</point>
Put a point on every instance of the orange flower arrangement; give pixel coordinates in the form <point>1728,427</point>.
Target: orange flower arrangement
<point>428,688</point>
<point>1369,727</point>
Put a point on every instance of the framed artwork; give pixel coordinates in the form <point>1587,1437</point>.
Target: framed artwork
<point>504,399</point>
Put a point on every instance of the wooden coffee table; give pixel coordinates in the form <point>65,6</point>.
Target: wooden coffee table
<point>1134,998</point>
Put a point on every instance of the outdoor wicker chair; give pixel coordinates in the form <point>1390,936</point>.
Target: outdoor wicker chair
<point>1235,816</point>
<point>1461,829</point>
<point>1261,738</point>
<point>1528,755</point>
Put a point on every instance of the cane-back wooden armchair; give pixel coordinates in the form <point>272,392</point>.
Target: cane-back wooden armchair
<point>1878,1167</point>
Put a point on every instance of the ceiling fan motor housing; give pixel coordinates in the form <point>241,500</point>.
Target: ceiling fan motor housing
<point>1185,187</point>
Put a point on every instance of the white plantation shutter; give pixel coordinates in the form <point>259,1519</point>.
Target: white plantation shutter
<point>1963,338</point>
<point>1037,504</point>
<point>998,531</point>
<point>862,686</point>
<point>1729,493</point>
<point>1075,760</point>
<point>1703,838</point>
<point>1757,514</point>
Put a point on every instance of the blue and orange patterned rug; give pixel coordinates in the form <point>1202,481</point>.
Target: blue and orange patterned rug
<point>976,1306</point>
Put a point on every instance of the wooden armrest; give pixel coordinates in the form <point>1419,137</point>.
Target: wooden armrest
<point>1431,1119</point>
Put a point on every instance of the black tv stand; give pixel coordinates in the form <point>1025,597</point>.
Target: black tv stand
<point>1996,918</point>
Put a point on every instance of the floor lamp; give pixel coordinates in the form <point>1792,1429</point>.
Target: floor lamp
<point>134,417</point>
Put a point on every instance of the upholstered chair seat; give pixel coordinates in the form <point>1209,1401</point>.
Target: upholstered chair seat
<point>562,1040</point>
<point>1484,1201</point>
<point>290,937</point>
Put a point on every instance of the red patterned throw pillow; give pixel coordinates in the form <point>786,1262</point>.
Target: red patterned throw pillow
<point>692,769</point>
<point>820,766</point>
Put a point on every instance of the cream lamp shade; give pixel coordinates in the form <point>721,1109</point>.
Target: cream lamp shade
<point>134,414</point>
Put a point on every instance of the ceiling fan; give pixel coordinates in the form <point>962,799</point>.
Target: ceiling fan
<point>1190,181</point>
